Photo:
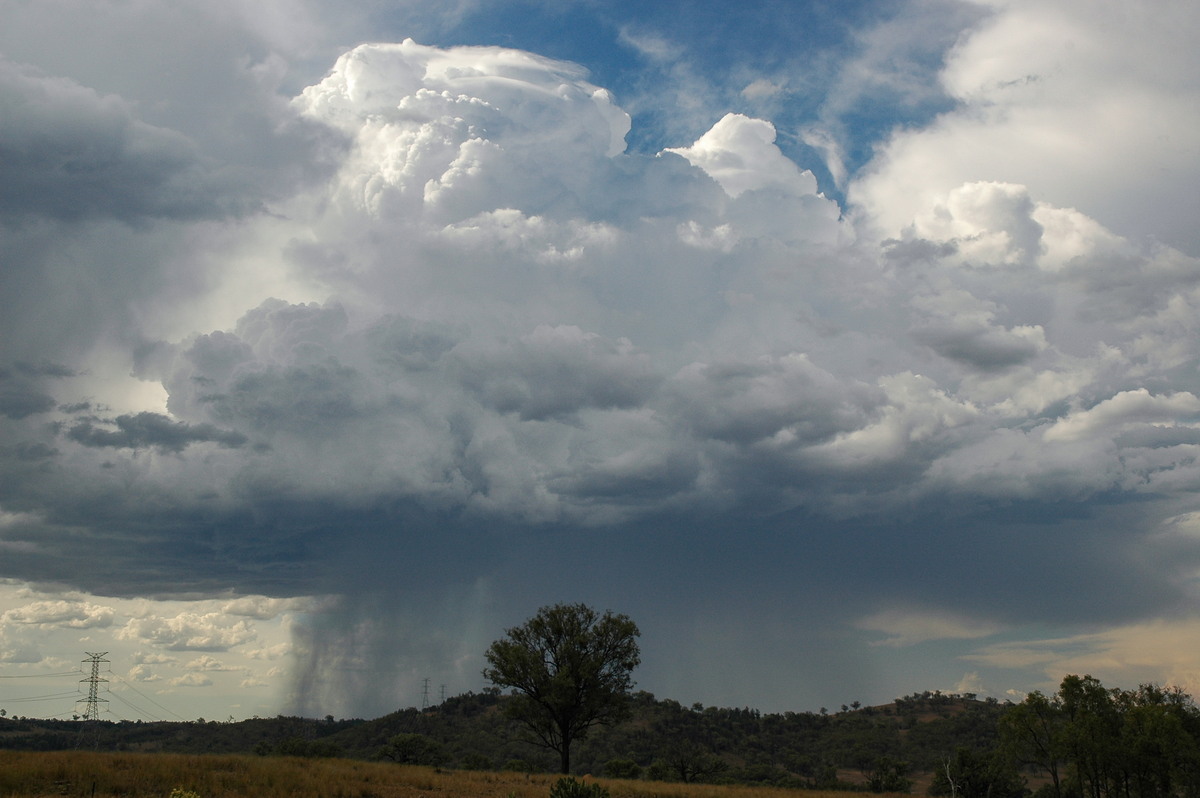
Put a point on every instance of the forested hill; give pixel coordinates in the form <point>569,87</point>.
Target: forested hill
<point>666,740</point>
<point>662,739</point>
<point>1085,739</point>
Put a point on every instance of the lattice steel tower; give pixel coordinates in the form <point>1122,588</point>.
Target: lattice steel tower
<point>93,701</point>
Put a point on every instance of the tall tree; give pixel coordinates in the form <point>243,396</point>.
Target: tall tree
<point>1032,732</point>
<point>1142,743</point>
<point>569,669</point>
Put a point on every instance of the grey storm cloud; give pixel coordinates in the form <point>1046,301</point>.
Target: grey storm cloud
<point>69,152</point>
<point>478,357</point>
<point>557,371</point>
<point>18,400</point>
<point>21,388</point>
<point>146,429</point>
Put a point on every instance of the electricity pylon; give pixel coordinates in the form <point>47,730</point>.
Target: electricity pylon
<point>93,701</point>
<point>91,710</point>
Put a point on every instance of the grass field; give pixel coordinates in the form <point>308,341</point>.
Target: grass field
<point>28,774</point>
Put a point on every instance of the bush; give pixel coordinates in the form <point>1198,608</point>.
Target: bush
<point>622,769</point>
<point>518,766</point>
<point>568,787</point>
<point>414,749</point>
<point>475,761</point>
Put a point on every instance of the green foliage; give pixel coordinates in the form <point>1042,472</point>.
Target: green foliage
<point>1093,741</point>
<point>569,669</point>
<point>687,761</point>
<point>622,769</point>
<point>518,766</point>
<point>414,749</point>
<point>978,774</point>
<point>889,775</point>
<point>568,787</point>
<point>1101,743</point>
<point>310,749</point>
<point>475,761</point>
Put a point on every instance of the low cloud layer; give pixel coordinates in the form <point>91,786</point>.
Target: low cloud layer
<point>478,356</point>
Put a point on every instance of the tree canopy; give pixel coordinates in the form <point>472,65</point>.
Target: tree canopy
<point>1093,742</point>
<point>569,669</point>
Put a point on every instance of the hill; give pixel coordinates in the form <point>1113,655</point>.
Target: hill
<point>662,739</point>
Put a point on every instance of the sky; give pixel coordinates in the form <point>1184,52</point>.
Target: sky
<point>850,348</point>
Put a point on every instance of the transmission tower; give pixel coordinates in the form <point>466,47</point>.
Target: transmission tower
<point>91,710</point>
<point>93,701</point>
<point>425,694</point>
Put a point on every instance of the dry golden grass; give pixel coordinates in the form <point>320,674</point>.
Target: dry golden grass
<point>28,774</point>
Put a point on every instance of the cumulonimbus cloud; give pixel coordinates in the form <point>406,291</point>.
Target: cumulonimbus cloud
<point>528,345</point>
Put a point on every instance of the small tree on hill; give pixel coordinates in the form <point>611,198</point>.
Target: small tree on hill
<point>569,670</point>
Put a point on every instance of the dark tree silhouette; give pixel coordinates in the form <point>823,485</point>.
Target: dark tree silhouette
<point>569,669</point>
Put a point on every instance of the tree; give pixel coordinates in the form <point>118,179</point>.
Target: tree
<point>1032,733</point>
<point>1095,742</point>
<point>414,749</point>
<point>978,774</point>
<point>889,775</point>
<point>569,670</point>
<point>686,761</point>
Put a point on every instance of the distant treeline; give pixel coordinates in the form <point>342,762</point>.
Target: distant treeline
<point>1085,741</point>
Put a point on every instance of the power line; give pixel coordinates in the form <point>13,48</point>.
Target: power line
<point>46,697</point>
<point>96,685</point>
<point>135,707</point>
<point>148,698</point>
<point>39,675</point>
<point>40,697</point>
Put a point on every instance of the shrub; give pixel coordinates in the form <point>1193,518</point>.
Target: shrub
<point>518,766</point>
<point>622,769</point>
<point>568,787</point>
<point>414,749</point>
<point>475,761</point>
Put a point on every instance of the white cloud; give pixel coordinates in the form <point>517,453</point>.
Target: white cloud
<point>916,412</point>
<point>907,627</point>
<point>761,88</point>
<point>740,154</point>
<point>970,683</point>
<point>1155,651</point>
<point>14,649</point>
<point>270,652</point>
<point>190,680</point>
<point>651,45</point>
<point>143,673</point>
<point>1122,410</point>
<point>1048,91</point>
<point>437,124</point>
<point>264,608</point>
<point>206,663</point>
<point>189,632</point>
<point>62,613</point>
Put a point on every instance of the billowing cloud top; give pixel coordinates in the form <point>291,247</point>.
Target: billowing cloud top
<point>485,352</point>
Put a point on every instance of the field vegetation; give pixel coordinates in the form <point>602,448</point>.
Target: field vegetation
<point>31,774</point>
<point>1083,741</point>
